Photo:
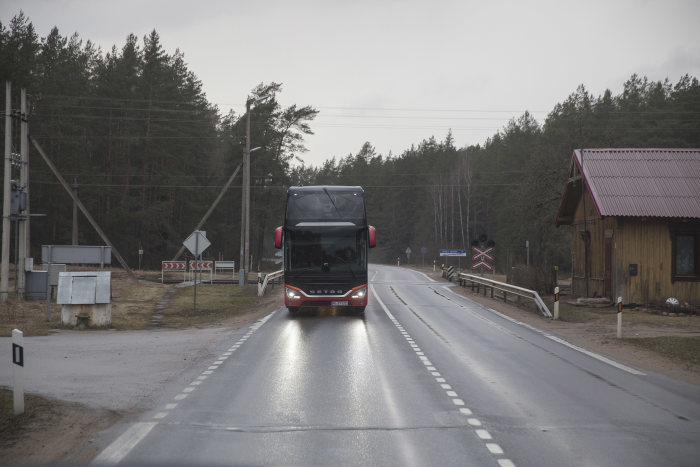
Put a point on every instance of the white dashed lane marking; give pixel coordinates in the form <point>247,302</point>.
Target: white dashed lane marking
<point>481,433</point>
<point>120,448</point>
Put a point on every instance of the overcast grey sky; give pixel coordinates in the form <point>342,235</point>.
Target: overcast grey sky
<point>396,72</point>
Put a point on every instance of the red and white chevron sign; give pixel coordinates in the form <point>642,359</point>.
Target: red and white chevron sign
<point>482,255</point>
<point>173,265</point>
<point>201,265</point>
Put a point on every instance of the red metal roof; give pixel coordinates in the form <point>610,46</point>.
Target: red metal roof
<point>642,182</point>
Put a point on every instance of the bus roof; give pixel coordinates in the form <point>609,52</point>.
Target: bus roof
<point>318,188</point>
<point>325,204</point>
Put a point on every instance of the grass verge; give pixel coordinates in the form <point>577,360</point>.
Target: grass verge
<point>134,306</point>
<point>215,303</point>
<point>684,349</point>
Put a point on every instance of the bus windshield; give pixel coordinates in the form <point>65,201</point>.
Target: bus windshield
<point>326,249</point>
<point>324,204</point>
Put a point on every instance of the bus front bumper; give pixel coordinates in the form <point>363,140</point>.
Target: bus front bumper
<point>295,297</point>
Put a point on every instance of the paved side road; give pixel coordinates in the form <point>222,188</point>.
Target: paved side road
<point>117,370</point>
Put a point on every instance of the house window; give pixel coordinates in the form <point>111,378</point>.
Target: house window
<point>686,252</point>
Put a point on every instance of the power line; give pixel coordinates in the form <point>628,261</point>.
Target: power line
<point>352,108</point>
<point>258,187</point>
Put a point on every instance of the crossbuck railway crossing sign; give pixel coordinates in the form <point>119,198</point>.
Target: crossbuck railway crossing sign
<point>482,257</point>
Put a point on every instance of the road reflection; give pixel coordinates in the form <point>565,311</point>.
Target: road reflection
<point>324,369</point>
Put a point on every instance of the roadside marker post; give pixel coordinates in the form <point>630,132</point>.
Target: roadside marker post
<point>556,302</point>
<point>619,317</point>
<point>18,371</point>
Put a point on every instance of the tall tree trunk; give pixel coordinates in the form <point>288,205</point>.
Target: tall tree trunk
<point>435,217</point>
<point>108,163</point>
<point>144,164</point>
<point>452,215</point>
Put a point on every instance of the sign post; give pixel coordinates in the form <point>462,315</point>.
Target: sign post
<point>18,371</point>
<point>197,242</point>
<point>423,250</point>
<point>408,255</point>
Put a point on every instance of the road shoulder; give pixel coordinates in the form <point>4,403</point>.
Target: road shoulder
<point>597,338</point>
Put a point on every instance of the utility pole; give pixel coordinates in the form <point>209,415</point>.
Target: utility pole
<point>23,218</point>
<point>245,214</point>
<point>5,262</point>
<point>245,200</point>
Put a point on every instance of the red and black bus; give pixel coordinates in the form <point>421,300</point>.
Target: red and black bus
<point>325,239</point>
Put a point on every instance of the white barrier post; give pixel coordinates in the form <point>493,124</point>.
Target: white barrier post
<point>556,302</point>
<point>619,317</point>
<point>18,371</point>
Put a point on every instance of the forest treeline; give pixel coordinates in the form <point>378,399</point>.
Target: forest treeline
<point>150,153</point>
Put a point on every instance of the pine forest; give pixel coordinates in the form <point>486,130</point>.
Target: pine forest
<point>133,130</point>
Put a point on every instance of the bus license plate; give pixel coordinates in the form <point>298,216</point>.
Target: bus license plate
<point>339,303</point>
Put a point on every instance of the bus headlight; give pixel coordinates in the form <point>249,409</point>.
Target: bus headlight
<point>359,293</point>
<point>293,294</point>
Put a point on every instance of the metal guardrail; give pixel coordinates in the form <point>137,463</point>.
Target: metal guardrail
<point>478,282</point>
<point>262,283</point>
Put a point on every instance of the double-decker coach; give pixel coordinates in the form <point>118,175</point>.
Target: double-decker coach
<point>325,239</point>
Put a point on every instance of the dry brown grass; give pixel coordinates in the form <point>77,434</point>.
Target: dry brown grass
<point>215,304</point>
<point>134,304</point>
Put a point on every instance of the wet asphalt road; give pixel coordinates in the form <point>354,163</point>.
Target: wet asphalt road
<point>426,377</point>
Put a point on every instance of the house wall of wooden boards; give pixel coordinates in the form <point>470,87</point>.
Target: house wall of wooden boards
<point>640,257</point>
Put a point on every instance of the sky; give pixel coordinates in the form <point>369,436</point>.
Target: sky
<point>395,73</point>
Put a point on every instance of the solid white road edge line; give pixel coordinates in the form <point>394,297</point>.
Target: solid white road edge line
<point>595,355</point>
<point>426,276</point>
<point>559,340</point>
<point>115,452</point>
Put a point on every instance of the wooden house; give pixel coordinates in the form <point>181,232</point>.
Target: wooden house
<point>635,215</point>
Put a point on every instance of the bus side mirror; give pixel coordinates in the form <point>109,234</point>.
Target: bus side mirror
<point>278,237</point>
<point>372,236</point>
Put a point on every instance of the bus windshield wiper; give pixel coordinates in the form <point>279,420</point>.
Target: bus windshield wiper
<point>332,202</point>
